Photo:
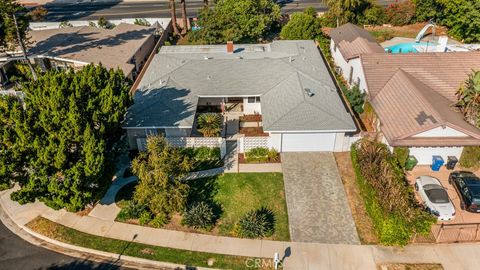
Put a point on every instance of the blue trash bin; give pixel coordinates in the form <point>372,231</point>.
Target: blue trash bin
<point>437,162</point>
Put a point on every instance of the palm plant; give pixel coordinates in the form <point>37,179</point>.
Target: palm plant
<point>209,124</point>
<point>469,98</point>
<point>173,13</point>
<point>184,17</point>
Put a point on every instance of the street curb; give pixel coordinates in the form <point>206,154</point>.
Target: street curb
<point>42,241</point>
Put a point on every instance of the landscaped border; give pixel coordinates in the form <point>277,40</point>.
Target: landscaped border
<point>71,236</point>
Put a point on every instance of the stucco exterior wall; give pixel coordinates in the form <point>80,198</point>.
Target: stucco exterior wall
<point>251,108</point>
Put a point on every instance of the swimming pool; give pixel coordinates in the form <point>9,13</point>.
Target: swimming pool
<point>406,47</point>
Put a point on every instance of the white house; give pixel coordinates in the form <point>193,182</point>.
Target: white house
<point>284,82</point>
<point>413,96</point>
<point>347,43</point>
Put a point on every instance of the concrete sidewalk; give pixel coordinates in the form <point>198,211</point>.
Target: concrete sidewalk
<point>298,255</point>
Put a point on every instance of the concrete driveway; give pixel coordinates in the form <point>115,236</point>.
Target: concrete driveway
<point>318,210</point>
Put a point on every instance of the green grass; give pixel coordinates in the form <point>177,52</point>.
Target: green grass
<point>233,195</point>
<point>67,235</point>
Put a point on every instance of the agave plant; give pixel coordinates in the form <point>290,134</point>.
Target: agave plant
<point>209,124</point>
<point>469,98</point>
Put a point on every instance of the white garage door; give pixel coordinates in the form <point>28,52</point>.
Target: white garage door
<point>424,154</point>
<point>308,142</point>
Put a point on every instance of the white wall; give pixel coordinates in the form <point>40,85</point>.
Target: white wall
<point>424,154</point>
<point>346,66</point>
<point>251,108</point>
<point>441,132</point>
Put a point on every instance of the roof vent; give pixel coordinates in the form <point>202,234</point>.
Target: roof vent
<point>309,92</point>
<point>206,57</point>
<point>422,118</point>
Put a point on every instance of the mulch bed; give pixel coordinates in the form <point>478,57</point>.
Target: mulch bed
<point>241,159</point>
<point>253,132</point>
<point>251,118</point>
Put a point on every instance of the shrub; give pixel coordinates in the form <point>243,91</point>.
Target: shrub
<point>302,25</point>
<point>256,224</point>
<point>356,98</point>
<point>375,15</point>
<point>204,158</point>
<point>388,200</point>
<point>200,215</point>
<point>382,34</point>
<point>400,13</point>
<point>145,217</point>
<point>142,22</point>
<point>470,157</point>
<point>209,124</point>
<point>258,154</point>
<point>131,211</point>
<point>158,221</point>
<point>65,24</point>
<point>401,155</point>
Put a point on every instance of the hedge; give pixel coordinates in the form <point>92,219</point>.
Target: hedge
<point>392,228</point>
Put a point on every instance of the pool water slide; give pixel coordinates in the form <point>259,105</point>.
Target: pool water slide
<point>424,30</point>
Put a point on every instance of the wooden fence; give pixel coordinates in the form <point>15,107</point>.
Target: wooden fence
<point>451,233</point>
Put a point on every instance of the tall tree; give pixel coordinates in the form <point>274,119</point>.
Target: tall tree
<point>173,13</point>
<point>65,137</point>
<point>161,171</point>
<point>184,17</point>
<point>469,98</point>
<point>302,25</point>
<point>236,20</point>
<point>346,10</point>
<point>14,21</point>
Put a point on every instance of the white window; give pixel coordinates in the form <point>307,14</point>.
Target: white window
<point>253,99</point>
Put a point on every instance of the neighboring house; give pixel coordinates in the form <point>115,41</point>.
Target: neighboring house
<point>127,46</point>
<point>413,96</point>
<point>347,43</point>
<point>286,82</point>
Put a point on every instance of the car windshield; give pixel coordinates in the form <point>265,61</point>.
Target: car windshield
<point>437,195</point>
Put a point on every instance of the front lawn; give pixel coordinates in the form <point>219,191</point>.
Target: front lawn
<point>236,194</point>
<point>231,196</point>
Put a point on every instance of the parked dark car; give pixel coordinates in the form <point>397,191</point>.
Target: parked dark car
<point>467,185</point>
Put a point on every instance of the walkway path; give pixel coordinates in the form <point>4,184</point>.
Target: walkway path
<point>317,206</point>
<point>300,255</point>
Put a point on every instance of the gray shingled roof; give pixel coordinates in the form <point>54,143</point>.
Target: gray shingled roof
<point>278,72</point>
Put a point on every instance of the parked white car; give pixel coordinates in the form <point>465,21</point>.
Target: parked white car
<point>435,197</point>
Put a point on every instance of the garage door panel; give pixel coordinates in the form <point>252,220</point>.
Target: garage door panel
<point>308,142</point>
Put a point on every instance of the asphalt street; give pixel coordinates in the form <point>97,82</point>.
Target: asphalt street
<point>17,254</point>
<point>112,10</point>
<point>62,11</point>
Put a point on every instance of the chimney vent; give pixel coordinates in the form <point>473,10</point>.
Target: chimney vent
<point>229,46</point>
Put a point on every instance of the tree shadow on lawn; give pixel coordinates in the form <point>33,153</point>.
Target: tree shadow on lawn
<point>204,190</point>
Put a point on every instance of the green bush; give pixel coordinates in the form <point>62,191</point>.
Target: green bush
<point>401,13</point>
<point>158,221</point>
<point>199,216</point>
<point>470,157</point>
<point>302,25</point>
<point>145,217</point>
<point>258,223</point>
<point>132,210</point>
<point>356,98</point>
<point>375,15</point>
<point>394,225</point>
<point>257,154</point>
<point>401,155</point>
<point>204,158</point>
